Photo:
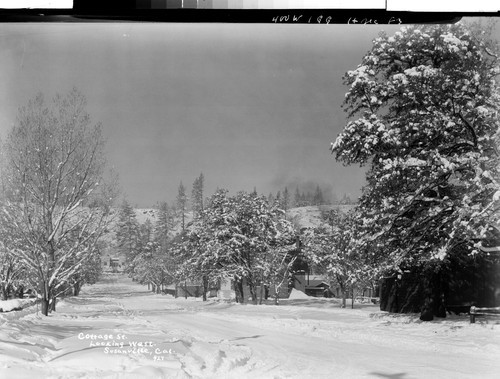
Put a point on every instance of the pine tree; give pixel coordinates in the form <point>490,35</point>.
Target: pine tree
<point>271,198</point>
<point>163,244</point>
<point>127,234</point>
<point>197,196</point>
<point>163,225</point>
<point>181,204</point>
<point>145,233</point>
<point>424,109</point>
<point>318,196</point>
<point>296,198</point>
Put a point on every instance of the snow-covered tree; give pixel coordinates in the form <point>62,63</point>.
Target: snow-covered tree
<point>152,266</point>
<point>127,235</point>
<point>199,251</point>
<point>145,233</point>
<point>163,237</point>
<point>54,162</point>
<point>251,232</point>
<point>296,198</point>
<point>164,225</point>
<point>423,108</point>
<point>198,254</point>
<point>280,256</point>
<point>90,272</point>
<point>337,252</point>
<point>240,237</point>
<point>12,270</point>
<point>181,202</point>
<point>197,196</point>
<point>271,198</point>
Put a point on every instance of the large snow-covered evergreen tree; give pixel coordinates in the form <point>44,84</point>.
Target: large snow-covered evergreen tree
<point>423,108</point>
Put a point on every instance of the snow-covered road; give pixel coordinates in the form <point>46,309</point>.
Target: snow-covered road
<point>117,329</point>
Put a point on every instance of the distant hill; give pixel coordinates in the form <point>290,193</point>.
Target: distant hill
<point>143,214</point>
<point>311,216</point>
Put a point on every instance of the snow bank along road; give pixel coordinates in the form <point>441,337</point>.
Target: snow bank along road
<point>116,329</point>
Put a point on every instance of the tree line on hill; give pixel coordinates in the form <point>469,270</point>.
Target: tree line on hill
<point>304,199</point>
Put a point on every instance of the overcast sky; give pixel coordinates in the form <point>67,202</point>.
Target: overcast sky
<point>247,105</point>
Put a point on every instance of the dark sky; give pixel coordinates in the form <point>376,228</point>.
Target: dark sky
<point>247,105</point>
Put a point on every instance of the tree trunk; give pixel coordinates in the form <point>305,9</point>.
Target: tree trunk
<point>45,297</point>
<point>45,307</point>
<point>352,300</point>
<point>205,287</point>
<point>253,289</point>
<point>20,292</point>
<point>53,304</point>
<point>5,295</point>
<point>261,295</point>
<point>344,295</point>
<point>427,312</point>
<point>76,289</point>
<point>185,282</point>
<point>434,302</point>
<point>238,289</point>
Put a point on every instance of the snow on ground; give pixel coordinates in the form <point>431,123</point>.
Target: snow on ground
<point>296,294</point>
<point>117,329</point>
<point>14,304</point>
